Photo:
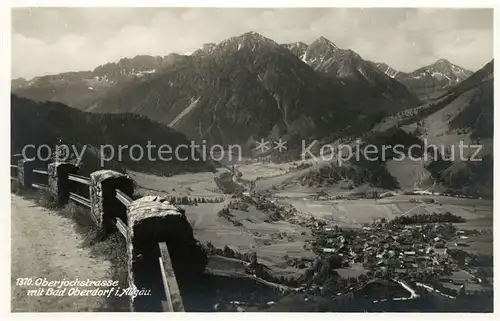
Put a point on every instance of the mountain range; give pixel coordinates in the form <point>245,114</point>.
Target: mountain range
<point>354,72</point>
<point>83,90</point>
<point>429,81</point>
<point>244,88</point>
<point>465,114</point>
<point>249,87</point>
<point>462,115</point>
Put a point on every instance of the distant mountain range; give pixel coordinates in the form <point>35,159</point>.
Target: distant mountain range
<point>240,90</point>
<point>249,87</point>
<point>463,115</point>
<point>326,57</point>
<point>244,89</point>
<point>84,89</point>
<point>81,89</point>
<point>429,81</point>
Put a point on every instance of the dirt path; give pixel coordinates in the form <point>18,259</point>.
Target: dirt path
<point>45,245</point>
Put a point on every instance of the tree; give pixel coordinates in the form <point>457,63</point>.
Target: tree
<point>362,279</point>
<point>228,252</point>
<point>253,259</point>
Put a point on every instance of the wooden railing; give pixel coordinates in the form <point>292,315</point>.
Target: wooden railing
<point>122,227</point>
<point>172,293</point>
<point>43,173</point>
<point>80,199</point>
<point>79,179</point>
<point>173,300</point>
<point>123,198</point>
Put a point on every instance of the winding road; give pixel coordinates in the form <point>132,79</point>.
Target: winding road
<point>46,245</point>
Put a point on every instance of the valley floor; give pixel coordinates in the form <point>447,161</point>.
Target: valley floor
<point>276,241</point>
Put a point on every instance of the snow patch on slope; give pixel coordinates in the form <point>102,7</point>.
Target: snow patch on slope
<point>193,103</point>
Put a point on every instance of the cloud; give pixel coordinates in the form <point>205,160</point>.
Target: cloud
<point>53,40</point>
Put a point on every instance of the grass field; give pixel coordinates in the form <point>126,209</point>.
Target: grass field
<point>266,239</point>
<point>193,185</point>
<point>477,212</point>
<point>347,212</point>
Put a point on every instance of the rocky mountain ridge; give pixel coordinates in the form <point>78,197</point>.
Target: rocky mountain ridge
<point>429,81</point>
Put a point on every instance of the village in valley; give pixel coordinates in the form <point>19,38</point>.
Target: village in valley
<point>393,247</point>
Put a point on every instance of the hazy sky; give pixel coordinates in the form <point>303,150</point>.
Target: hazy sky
<point>53,40</point>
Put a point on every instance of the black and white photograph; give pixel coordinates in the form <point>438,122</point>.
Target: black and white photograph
<point>244,159</point>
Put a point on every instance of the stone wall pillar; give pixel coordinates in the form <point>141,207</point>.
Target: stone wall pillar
<point>25,173</point>
<point>151,220</point>
<point>59,184</point>
<point>104,205</point>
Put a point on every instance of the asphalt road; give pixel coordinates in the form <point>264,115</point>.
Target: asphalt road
<point>45,245</point>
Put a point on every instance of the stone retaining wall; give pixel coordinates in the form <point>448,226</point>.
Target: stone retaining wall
<point>153,219</point>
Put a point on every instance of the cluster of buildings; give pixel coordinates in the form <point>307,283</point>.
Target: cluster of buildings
<point>416,252</point>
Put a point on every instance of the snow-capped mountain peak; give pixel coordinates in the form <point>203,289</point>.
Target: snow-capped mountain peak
<point>323,44</point>
<point>443,61</point>
<point>443,70</point>
<point>433,79</point>
<point>322,41</point>
<point>320,51</point>
<point>251,41</point>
